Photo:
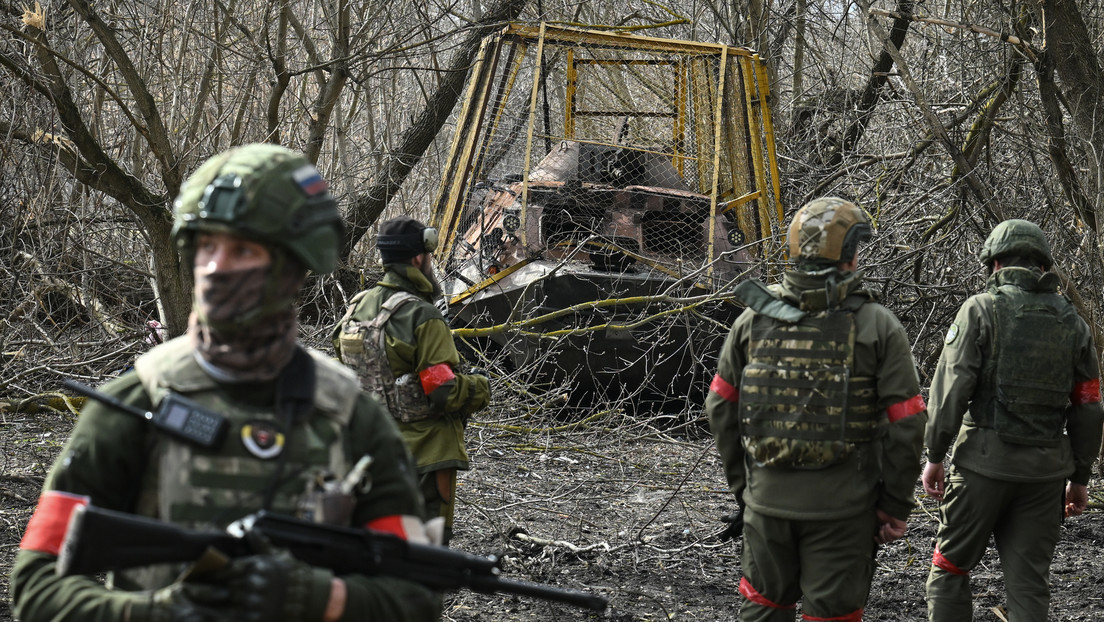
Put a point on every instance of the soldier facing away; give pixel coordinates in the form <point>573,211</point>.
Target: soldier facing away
<point>817,414</point>
<point>1017,393</point>
<point>400,346</point>
<point>252,221</point>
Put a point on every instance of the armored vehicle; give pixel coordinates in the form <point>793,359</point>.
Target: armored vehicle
<point>602,194</point>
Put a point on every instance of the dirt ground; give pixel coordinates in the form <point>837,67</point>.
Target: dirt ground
<point>618,507</point>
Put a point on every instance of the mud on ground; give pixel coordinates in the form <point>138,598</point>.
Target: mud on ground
<point>620,508</point>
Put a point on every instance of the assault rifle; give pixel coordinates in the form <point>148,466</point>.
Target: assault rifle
<point>99,540</point>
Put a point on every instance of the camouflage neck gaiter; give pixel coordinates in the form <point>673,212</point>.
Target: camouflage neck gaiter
<point>244,323</point>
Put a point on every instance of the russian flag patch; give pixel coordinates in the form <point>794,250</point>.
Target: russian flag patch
<point>310,180</point>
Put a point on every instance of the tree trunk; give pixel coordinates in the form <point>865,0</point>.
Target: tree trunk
<point>1070,46</point>
<point>879,73</point>
<point>419,136</point>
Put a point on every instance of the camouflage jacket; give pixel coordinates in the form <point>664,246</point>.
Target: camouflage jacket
<point>880,474</point>
<point>112,458</point>
<point>418,339</point>
<point>960,379</point>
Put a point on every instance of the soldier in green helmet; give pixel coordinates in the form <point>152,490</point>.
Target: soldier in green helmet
<point>251,221</point>
<point>399,344</point>
<point>817,414</point>
<point>1015,400</point>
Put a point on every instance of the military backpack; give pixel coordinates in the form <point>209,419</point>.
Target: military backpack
<point>363,347</point>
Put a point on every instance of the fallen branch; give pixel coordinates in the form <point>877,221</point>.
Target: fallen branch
<point>564,544</point>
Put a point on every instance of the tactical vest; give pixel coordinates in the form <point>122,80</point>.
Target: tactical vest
<point>363,347</point>
<point>210,487</point>
<point>800,407</point>
<point>1025,384</point>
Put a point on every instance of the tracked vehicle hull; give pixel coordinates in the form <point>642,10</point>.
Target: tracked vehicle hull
<point>629,352</point>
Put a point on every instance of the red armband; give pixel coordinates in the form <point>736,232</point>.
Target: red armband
<point>434,376</point>
<point>749,592</point>
<point>406,527</point>
<point>1087,392</point>
<point>721,387</point>
<point>907,408</point>
<point>46,529</point>
<point>942,562</point>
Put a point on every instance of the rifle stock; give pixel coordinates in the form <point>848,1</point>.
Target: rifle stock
<point>99,540</point>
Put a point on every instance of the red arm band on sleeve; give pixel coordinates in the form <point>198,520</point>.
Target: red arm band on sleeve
<point>403,526</point>
<point>46,529</point>
<point>434,376</point>
<point>907,408</point>
<point>1087,392</point>
<point>388,524</point>
<point>721,387</point>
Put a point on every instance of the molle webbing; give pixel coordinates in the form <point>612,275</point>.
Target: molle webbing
<point>800,406</point>
<point>1028,386</point>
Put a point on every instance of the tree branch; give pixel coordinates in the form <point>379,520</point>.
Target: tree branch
<point>419,136</point>
<point>160,145</point>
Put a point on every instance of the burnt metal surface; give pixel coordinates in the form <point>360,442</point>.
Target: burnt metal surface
<point>600,268</point>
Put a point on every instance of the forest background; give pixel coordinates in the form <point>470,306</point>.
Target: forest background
<point>940,119</point>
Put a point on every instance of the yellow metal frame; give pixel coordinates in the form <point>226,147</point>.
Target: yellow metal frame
<point>465,159</point>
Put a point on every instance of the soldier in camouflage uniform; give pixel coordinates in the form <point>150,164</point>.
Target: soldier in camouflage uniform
<point>1017,393</point>
<point>817,414</point>
<point>252,221</point>
<point>401,348</point>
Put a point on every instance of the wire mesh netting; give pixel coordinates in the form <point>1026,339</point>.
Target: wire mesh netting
<point>600,189</point>
<point>586,145</point>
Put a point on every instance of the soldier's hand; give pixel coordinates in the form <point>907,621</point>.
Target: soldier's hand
<point>269,586</point>
<point>171,604</point>
<point>934,479</point>
<point>734,525</point>
<point>1077,499</point>
<point>890,528</point>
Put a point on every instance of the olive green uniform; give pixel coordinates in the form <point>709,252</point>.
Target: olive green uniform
<point>810,532</point>
<point>122,463</point>
<point>417,338</point>
<point>1011,490</point>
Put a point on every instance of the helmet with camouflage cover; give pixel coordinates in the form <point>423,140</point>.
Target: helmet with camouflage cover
<point>826,231</point>
<point>1017,237</point>
<point>266,193</point>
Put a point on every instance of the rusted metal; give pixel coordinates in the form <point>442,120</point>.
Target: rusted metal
<point>660,191</point>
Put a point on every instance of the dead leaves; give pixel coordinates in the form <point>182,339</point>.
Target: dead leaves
<point>35,18</point>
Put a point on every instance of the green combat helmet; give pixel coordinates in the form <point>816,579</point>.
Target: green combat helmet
<point>1017,237</point>
<point>826,231</point>
<point>265,193</point>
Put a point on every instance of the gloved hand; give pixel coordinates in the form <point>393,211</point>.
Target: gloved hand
<point>269,586</point>
<point>734,525</point>
<point>169,604</point>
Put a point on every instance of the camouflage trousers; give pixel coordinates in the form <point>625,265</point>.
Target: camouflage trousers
<point>1024,520</point>
<point>827,564</point>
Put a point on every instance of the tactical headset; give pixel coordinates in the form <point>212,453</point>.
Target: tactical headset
<point>424,242</point>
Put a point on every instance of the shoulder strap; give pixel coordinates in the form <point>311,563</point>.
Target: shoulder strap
<point>171,366</point>
<point>762,300</point>
<point>857,299</point>
<point>336,387</point>
<point>390,306</point>
<point>354,302</point>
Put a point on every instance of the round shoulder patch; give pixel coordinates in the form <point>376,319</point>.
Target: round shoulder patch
<point>952,334</point>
